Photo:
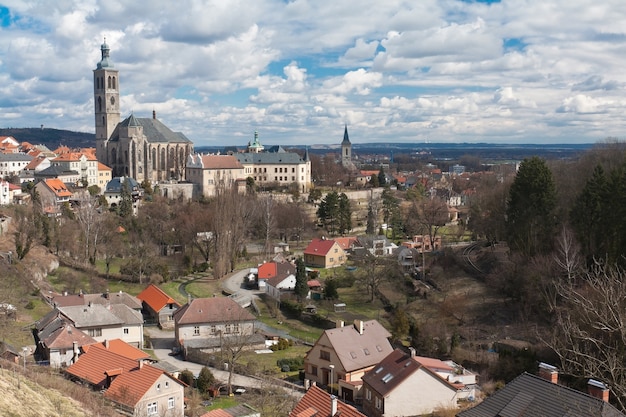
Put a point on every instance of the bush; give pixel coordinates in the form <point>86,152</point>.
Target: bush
<point>291,364</point>
<point>282,344</point>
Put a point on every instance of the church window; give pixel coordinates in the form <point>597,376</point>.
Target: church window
<point>154,159</point>
<point>114,83</point>
<point>100,106</point>
<point>109,82</point>
<point>112,101</point>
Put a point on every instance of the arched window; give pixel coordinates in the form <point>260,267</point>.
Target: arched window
<point>114,83</point>
<point>99,104</point>
<point>112,101</point>
<point>109,82</point>
<point>154,159</point>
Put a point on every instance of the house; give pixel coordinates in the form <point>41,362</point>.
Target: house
<point>11,164</point>
<point>53,194</point>
<point>541,395</point>
<point>158,306</point>
<point>241,410</point>
<point>403,384</point>
<point>59,342</point>
<point>98,321</point>
<point>346,242</point>
<point>114,190</point>
<point>104,175</point>
<point>409,259</point>
<point>284,279</point>
<point>423,244</point>
<point>324,253</point>
<point>319,403</point>
<point>377,245</point>
<point>208,323</point>
<point>9,353</point>
<point>135,386</point>
<point>106,299</point>
<point>208,172</point>
<point>66,176</point>
<point>344,354</point>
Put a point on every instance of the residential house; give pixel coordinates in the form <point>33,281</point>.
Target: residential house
<point>104,176</point>
<point>409,259</point>
<point>210,323</point>
<point>53,194</point>
<point>106,299</point>
<point>319,403</point>
<point>158,306</point>
<point>59,342</point>
<point>208,172</point>
<point>10,353</point>
<point>344,354</point>
<point>541,395</point>
<point>37,164</point>
<point>423,244</point>
<point>11,164</point>
<point>66,176</point>
<point>324,253</point>
<point>8,144</point>
<point>404,385</point>
<point>99,321</point>
<point>377,245</point>
<point>346,243</point>
<point>114,190</point>
<point>84,163</point>
<point>283,280</point>
<point>241,410</point>
<point>136,387</point>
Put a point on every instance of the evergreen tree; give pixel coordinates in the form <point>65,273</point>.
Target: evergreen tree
<point>301,289</point>
<point>382,178</point>
<point>205,380</point>
<point>370,227</point>
<point>345,214</point>
<point>328,211</point>
<point>330,289</point>
<point>125,208</point>
<point>531,219</point>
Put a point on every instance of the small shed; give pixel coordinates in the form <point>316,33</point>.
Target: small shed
<point>339,307</point>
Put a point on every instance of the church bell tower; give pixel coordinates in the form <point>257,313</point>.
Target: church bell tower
<point>106,94</point>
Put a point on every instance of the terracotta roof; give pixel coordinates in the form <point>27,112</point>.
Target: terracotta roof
<point>220,162</point>
<point>217,413</point>
<point>156,298</point>
<point>93,365</point>
<point>119,347</point>
<point>345,242</point>
<point>58,187</point>
<point>130,387</point>
<point>317,402</point>
<point>240,410</point>
<point>312,283</point>
<point>212,310</point>
<point>267,270</point>
<point>283,271</point>
<point>319,247</point>
<point>102,167</point>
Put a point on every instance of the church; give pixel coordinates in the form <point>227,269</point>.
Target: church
<point>140,148</point>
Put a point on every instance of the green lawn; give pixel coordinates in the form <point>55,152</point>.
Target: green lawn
<point>266,362</point>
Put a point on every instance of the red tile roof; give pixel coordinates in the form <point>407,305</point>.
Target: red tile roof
<point>319,247</point>
<point>93,365</point>
<point>267,270</point>
<point>212,310</point>
<point>217,413</point>
<point>130,387</point>
<point>156,298</point>
<point>317,402</point>
<point>58,187</point>
<point>120,347</point>
<point>345,242</point>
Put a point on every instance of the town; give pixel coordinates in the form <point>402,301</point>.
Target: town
<point>271,281</point>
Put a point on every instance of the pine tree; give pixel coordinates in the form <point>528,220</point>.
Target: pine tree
<point>301,289</point>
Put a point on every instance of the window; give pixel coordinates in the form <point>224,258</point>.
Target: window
<point>313,370</point>
<point>379,403</point>
<point>158,387</point>
<point>125,330</point>
<point>152,408</point>
<point>213,329</point>
<point>325,355</point>
<point>227,328</point>
<point>170,403</point>
<point>95,332</point>
<point>368,394</point>
<point>196,330</point>
<point>236,327</point>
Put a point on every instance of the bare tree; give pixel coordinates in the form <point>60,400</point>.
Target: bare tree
<point>267,217</point>
<point>590,329</point>
<point>433,214</point>
<point>89,218</point>
<point>26,230</point>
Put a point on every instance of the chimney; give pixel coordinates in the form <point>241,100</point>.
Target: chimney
<point>75,351</point>
<point>358,325</point>
<point>548,372</point>
<point>333,405</point>
<point>339,324</point>
<point>106,343</point>
<point>140,363</point>
<point>412,350</point>
<point>598,390</point>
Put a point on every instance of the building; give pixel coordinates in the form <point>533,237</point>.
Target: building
<point>346,151</point>
<point>141,148</point>
<point>136,387</point>
<point>319,403</point>
<point>208,323</point>
<point>207,172</point>
<point>275,166</point>
<point>403,385</point>
<point>158,306</point>
<point>541,395</point>
<point>324,253</point>
<point>344,354</point>
<point>115,189</point>
<point>53,194</point>
<point>11,164</point>
<point>104,175</point>
<point>83,162</point>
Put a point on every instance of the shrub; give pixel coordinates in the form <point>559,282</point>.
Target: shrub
<point>290,363</point>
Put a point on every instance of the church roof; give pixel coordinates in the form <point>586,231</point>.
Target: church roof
<point>153,130</point>
<point>269,158</point>
<point>346,139</point>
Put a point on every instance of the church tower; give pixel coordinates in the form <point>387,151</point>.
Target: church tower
<point>106,94</point>
<point>346,149</point>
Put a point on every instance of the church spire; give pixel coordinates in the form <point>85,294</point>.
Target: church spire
<point>105,61</point>
<point>346,139</point>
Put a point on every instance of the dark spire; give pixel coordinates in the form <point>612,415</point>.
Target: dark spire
<point>346,139</point>
<point>307,158</point>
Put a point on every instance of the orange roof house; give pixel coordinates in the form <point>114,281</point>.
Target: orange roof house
<point>159,306</point>
<point>319,403</point>
<point>135,386</point>
<point>53,193</point>
<point>324,253</point>
<point>120,347</point>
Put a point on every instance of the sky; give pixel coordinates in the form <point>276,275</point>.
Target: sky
<point>417,71</point>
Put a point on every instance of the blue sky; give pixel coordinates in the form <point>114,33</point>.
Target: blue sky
<point>297,71</point>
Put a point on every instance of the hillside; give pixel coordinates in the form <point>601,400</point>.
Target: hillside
<point>52,138</point>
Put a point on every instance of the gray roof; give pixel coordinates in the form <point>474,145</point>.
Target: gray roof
<point>90,316</point>
<point>269,158</point>
<point>115,185</point>
<point>15,157</point>
<point>153,129</point>
<point>55,171</point>
<point>531,396</point>
<point>127,314</point>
